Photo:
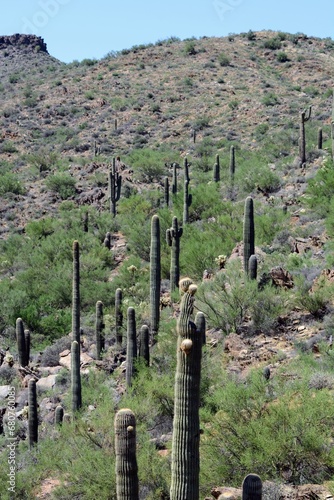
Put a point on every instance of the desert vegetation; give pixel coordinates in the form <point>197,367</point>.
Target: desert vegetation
<point>167,226</point>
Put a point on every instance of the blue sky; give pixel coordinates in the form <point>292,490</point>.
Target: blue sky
<point>78,29</point>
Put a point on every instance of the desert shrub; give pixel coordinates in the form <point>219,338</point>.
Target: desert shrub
<point>62,184</point>
<point>223,59</point>
<point>50,356</point>
<point>266,417</point>
<point>189,48</point>
<point>272,43</point>
<point>148,164</point>
<point>7,374</point>
<point>10,183</point>
<point>270,99</point>
<point>253,173</point>
<point>318,195</point>
<point>282,57</point>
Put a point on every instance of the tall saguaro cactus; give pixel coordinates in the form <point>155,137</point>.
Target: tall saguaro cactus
<point>75,377</point>
<point>21,343</point>
<point>118,316</point>
<point>155,274</point>
<point>232,164</point>
<point>99,329</point>
<point>166,191</point>
<point>304,117</point>
<point>174,181</point>
<point>186,429</point>
<point>173,235</point>
<point>59,415</point>
<point>144,347</point>
<point>249,232</point>
<point>131,346</point>
<point>32,413</point>
<point>127,486</point>
<point>252,487</point>
<point>76,294</point>
<point>115,183</point>
<point>216,170</point>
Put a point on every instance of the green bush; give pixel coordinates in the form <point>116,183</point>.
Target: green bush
<point>272,43</point>
<point>9,183</point>
<point>223,59</point>
<point>62,184</point>
<point>270,99</point>
<point>282,57</point>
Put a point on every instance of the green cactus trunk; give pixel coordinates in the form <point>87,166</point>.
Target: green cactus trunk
<point>118,316</point>
<point>27,340</point>
<point>131,346</point>
<point>127,486</point>
<point>166,191</point>
<point>21,343</point>
<point>155,274</point>
<point>252,267</point>
<point>216,170</point>
<point>99,329</point>
<point>232,164</point>
<point>32,413</point>
<point>249,232</point>
<point>114,188</point>
<point>75,377</point>
<point>320,138</point>
<point>252,487</point>
<point>304,117</point>
<point>186,429</point>
<point>173,236</point>
<point>174,181</point>
<point>59,415</point>
<point>144,347</point>
<point>201,325</point>
<point>76,294</point>
<point>107,240</point>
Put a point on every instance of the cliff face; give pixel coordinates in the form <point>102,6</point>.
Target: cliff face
<point>27,42</point>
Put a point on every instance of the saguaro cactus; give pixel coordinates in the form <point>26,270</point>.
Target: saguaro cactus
<point>249,232</point>
<point>319,138</point>
<point>173,236</point>
<point>115,183</point>
<point>187,200</point>
<point>166,191</point>
<point>131,345</point>
<point>174,181</point>
<point>118,316</point>
<point>252,487</point>
<point>232,164</point>
<point>21,343</point>
<point>99,329</point>
<point>155,274</point>
<point>186,430</point>
<point>201,325</point>
<point>252,267</point>
<point>216,170</point>
<point>76,294</point>
<point>127,486</point>
<point>59,415</point>
<point>304,117</point>
<point>27,340</point>
<point>75,377</point>
<point>32,413</point>
<point>144,348</point>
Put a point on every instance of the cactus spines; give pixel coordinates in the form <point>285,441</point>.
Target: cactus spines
<point>144,348</point>
<point>232,163</point>
<point>118,316</point>
<point>201,325</point>
<point>216,170</point>
<point>75,377</point>
<point>99,329</point>
<point>21,343</point>
<point>304,117</point>
<point>32,413</point>
<point>166,191</point>
<point>320,138</point>
<point>186,430</point>
<point>115,183</point>
<point>249,233</point>
<point>252,267</point>
<point>127,486</point>
<point>131,345</point>
<point>186,169</point>
<point>155,274</point>
<point>252,487</point>
<point>59,415</point>
<point>173,236</point>
<point>174,181</point>
<point>76,294</point>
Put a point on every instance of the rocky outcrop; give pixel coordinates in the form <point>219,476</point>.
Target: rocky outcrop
<point>33,42</point>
